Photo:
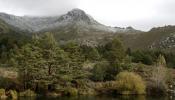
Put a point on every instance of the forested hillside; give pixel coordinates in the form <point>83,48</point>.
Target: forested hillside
<point>79,59</point>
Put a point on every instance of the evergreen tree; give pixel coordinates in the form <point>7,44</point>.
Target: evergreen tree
<point>49,48</point>
<point>128,51</point>
<point>90,53</point>
<point>76,59</point>
<point>99,71</point>
<point>39,60</point>
<point>115,52</point>
<point>161,61</point>
<point>29,60</point>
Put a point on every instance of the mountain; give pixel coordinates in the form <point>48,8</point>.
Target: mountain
<point>162,38</point>
<point>11,37</point>
<point>75,25</point>
<point>4,28</point>
<point>73,17</point>
<point>78,26</point>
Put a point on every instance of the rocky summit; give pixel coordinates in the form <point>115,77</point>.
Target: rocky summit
<point>73,17</point>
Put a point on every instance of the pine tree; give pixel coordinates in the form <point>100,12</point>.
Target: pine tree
<point>76,59</point>
<point>115,51</point>
<point>161,61</point>
<point>29,60</point>
<point>90,53</point>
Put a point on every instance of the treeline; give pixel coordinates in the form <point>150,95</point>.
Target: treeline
<point>149,57</point>
<point>43,58</point>
<point>44,65</point>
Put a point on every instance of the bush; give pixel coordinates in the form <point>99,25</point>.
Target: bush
<point>2,94</point>
<point>144,57</point>
<point>13,94</point>
<point>71,91</point>
<point>7,83</point>
<point>158,81</point>
<point>27,93</point>
<point>66,78</point>
<point>129,83</point>
<point>86,91</point>
<point>99,71</point>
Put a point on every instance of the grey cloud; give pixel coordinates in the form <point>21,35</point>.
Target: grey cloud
<point>38,7</point>
<point>165,11</point>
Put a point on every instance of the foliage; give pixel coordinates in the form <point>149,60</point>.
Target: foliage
<point>76,60</point>
<point>159,80</point>
<point>8,83</point>
<point>103,71</point>
<point>130,83</point>
<point>43,59</point>
<point>70,91</point>
<point>170,59</point>
<point>150,57</point>
<point>161,61</point>
<point>115,52</point>
<point>159,76</point>
<point>2,92</point>
<point>90,53</point>
<point>29,61</point>
<point>53,57</point>
<point>66,78</point>
<point>99,71</point>
<point>86,91</point>
<point>27,93</point>
<point>10,39</point>
<point>13,94</point>
<point>142,56</point>
<point>43,62</point>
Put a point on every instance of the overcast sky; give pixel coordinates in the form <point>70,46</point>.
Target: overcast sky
<point>140,14</point>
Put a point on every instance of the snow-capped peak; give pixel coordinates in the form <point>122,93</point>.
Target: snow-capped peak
<point>78,16</point>
<point>75,17</point>
<point>76,12</point>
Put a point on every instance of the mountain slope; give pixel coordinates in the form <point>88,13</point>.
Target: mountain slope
<point>75,25</point>
<point>4,28</point>
<point>74,17</point>
<point>78,26</point>
<point>157,38</point>
<point>11,37</point>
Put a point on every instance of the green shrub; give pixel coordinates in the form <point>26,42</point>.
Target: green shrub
<point>13,94</point>
<point>99,71</point>
<point>86,91</point>
<point>71,91</point>
<point>2,94</point>
<point>66,78</point>
<point>6,83</point>
<point>27,93</point>
<point>53,94</point>
<point>158,80</point>
<point>145,57</point>
<point>129,83</point>
<point>57,87</point>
